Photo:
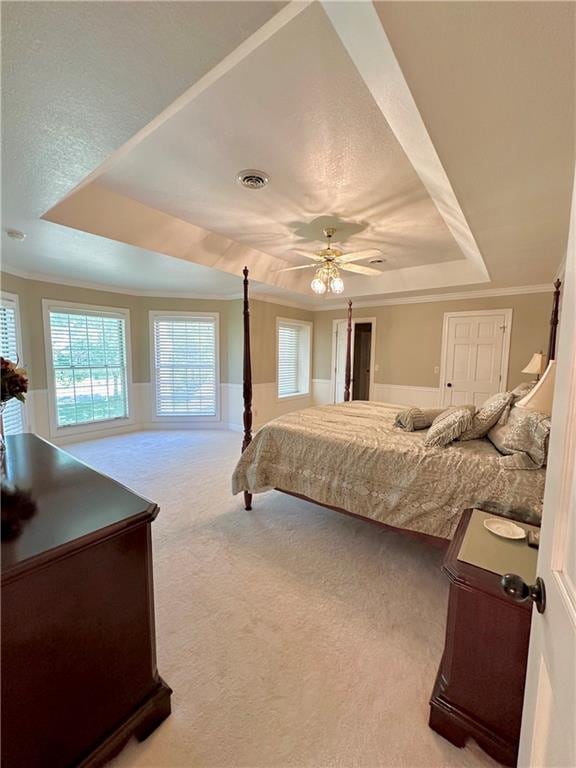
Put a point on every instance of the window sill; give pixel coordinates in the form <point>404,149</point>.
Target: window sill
<point>86,426</point>
<point>74,432</point>
<point>167,418</point>
<point>297,396</point>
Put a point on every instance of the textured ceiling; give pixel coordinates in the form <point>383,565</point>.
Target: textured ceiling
<point>78,80</point>
<point>316,130</point>
<point>493,83</point>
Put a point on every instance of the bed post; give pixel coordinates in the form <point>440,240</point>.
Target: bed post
<point>554,322</point>
<point>247,382</point>
<point>348,367</point>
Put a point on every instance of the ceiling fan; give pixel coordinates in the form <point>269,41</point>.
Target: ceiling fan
<point>329,261</point>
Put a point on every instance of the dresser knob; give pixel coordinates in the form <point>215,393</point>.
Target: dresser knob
<point>517,589</point>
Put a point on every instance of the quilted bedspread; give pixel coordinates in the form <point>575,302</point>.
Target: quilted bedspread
<point>352,457</point>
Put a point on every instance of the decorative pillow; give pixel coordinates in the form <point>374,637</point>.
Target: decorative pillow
<point>487,416</point>
<point>415,418</point>
<point>524,436</point>
<point>522,390</point>
<point>449,425</point>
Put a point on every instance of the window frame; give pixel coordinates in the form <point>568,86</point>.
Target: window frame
<point>118,422</point>
<point>155,314</point>
<point>6,296</point>
<point>307,376</point>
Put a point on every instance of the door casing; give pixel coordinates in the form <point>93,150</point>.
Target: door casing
<point>372,321</point>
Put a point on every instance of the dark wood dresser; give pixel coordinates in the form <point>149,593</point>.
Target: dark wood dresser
<point>79,673</point>
<point>479,689</point>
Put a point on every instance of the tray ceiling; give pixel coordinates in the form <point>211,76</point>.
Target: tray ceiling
<point>460,175</point>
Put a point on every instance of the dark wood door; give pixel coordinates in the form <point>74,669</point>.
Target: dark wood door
<point>362,361</point>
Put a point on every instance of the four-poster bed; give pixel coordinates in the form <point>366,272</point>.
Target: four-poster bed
<point>350,458</point>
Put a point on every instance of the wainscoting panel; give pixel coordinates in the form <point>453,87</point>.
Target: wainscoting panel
<point>321,391</point>
<point>397,394</point>
<point>266,406</point>
<point>423,397</point>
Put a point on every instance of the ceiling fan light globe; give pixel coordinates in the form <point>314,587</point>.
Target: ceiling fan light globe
<point>318,286</point>
<point>337,285</point>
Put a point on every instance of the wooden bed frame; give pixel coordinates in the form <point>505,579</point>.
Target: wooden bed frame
<point>247,395</point>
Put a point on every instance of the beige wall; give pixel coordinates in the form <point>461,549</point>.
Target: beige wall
<point>263,336</point>
<point>409,336</point>
<point>31,293</point>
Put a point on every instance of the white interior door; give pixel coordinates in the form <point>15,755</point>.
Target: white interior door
<point>548,737</point>
<point>339,358</point>
<point>474,356</point>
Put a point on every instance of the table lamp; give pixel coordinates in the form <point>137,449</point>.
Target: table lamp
<point>536,365</point>
<point>540,397</point>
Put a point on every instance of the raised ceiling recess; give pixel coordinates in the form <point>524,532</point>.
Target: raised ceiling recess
<point>331,101</point>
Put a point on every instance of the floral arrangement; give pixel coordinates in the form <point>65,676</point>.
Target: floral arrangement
<point>14,381</point>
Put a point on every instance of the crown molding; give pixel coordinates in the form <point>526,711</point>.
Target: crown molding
<point>255,296</point>
<point>115,288</point>
<point>436,297</point>
<point>561,269</point>
<point>268,299</point>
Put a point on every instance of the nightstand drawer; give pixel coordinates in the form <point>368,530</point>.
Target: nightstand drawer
<point>480,685</point>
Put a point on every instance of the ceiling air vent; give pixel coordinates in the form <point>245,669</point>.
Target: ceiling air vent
<point>252,179</point>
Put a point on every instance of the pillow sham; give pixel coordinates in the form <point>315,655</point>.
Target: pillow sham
<point>525,436</point>
<point>415,418</point>
<point>449,425</point>
<point>522,390</point>
<point>487,416</point>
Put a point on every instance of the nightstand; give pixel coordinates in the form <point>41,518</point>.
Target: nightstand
<point>479,688</point>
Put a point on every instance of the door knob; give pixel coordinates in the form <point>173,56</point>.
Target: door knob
<point>517,589</point>
<point>449,384</point>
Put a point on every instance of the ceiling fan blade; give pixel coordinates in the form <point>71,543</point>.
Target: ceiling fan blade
<point>359,255</point>
<point>291,269</point>
<point>300,252</point>
<point>359,270</point>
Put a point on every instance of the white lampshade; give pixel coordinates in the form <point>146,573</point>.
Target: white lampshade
<point>536,365</point>
<point>336,285</point>
<point>540,397</point>
<point>318,286</point>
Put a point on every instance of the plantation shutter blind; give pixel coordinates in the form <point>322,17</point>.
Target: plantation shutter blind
<point>13,419</point>
<point>289,346</point>
<point>89,363</point>
<point>185,353</point>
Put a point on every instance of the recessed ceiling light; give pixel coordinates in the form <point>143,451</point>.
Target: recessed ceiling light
<point>252,179</point>
<point>15,234</point>
<point>377,261</point>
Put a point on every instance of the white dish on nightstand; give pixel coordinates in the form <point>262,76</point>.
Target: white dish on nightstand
<point>504,528</point>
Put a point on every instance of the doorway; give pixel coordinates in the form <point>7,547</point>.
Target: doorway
<point>362,354</point>
<point>361,366</point>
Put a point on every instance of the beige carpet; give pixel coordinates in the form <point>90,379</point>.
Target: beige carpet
<point>292,635</point>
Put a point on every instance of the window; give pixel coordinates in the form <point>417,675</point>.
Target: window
<point>89,364</point>
<point>13,419</point>
<point>185,364</point>
<point>293,358</point>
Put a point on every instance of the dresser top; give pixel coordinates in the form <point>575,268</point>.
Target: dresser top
<point>69,504</point>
